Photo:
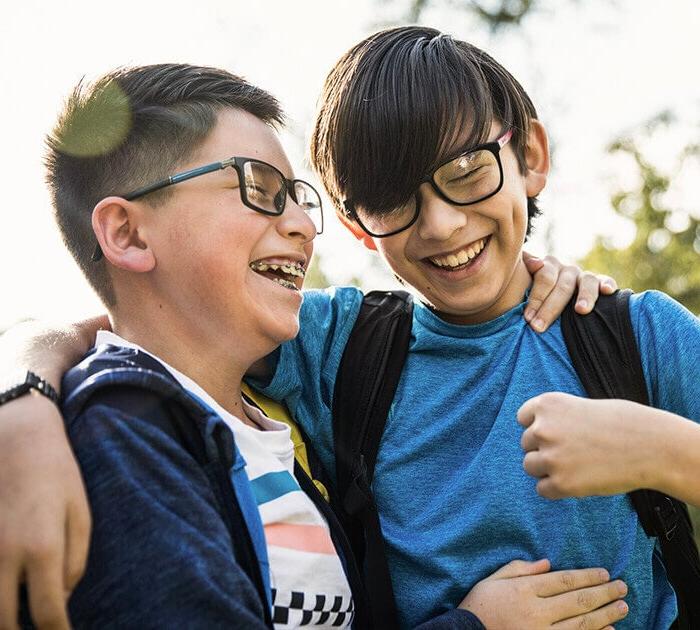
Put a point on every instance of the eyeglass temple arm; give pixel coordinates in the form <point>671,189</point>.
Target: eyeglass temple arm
<point>169,181</point>
<point>503,140</point>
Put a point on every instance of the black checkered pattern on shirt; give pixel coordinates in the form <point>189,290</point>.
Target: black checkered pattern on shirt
<point>303,609</point>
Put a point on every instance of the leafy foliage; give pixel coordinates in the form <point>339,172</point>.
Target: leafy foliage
<point>665,252</point>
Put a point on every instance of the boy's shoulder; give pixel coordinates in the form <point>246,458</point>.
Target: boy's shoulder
<point>659,305</point>
<point>332,297</point>
<point>329,312</point>
<point>656,317</point>
<point>128,375</point>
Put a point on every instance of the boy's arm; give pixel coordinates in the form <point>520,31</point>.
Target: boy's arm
<point>45,519</point>
<point>580,447</point>
<point>161,554</point>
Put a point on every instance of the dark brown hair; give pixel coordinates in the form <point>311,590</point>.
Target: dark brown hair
<point>394,105</point>
<point>127,129</point>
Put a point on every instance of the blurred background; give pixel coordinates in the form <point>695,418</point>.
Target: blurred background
<point>614,81</point>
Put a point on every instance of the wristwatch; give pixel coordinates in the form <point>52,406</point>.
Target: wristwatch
<point>15,387</point>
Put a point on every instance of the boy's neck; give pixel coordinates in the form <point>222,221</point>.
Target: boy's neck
<point>510,298</point>
<point>211,363</point>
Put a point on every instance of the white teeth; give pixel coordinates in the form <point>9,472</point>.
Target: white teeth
<point>462,257</point>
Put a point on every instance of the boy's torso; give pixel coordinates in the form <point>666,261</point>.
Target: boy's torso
<point>454,500</point>
<point>306,574</point>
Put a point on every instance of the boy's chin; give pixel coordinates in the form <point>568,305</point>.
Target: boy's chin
<point>286,330</point>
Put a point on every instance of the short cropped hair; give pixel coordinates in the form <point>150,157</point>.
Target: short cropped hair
<point>127,129</point>
<point>393,106</point>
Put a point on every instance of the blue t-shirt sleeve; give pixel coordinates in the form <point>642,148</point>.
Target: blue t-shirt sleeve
<point>668,336</point>
<point>305,368</point>
<point>160,553</point>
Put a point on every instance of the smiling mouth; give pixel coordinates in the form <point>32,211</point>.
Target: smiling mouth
<point>461,259</point>
<point>286,274</point>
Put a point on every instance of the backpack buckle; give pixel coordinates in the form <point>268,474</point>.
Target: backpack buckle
<point>666,518</point>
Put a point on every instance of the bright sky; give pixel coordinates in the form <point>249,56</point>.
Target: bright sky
<point>593,69</point>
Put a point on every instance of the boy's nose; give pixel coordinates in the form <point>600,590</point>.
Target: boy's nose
<point>438,219</point>
<point>294,222</point>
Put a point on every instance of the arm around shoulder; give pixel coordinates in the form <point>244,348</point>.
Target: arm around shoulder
<point>39,479</point>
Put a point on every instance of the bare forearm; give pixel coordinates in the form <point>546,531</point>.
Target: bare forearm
<point>673,464</point>
<point>47,350</point>
<point>578,447</point>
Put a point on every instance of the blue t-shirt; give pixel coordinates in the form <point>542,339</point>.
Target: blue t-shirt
<point>454,501</point>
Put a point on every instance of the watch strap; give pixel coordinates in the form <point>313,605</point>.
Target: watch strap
<point>31,381</point>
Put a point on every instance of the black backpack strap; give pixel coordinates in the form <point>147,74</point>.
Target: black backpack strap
<point>604,351</point>
<point>365,385</point>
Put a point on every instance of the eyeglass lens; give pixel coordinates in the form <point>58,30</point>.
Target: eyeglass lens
<point>468,178</point>
<point>267,189</point>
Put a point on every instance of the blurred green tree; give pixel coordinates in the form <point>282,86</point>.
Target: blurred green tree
<point>665,251</point>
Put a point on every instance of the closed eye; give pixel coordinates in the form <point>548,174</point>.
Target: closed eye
<point>473,174</point>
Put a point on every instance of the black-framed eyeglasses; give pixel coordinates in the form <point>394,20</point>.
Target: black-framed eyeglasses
<point>263,188</point>
<point>466,179</point>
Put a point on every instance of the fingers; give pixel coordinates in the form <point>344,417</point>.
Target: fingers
<point>544,281</point>
<point>520,568</point>
<point>528,412</point>
<point>586,600</point>
<point>532,263</point>
<point>557,298</point>
<point>608,285</point>
<point>529,441</point>
<point>47,602</point>
<point>589,287</point>
<point>601,618</point>
<point>535,465</point>
<point>77,544</point>
<point>548,488</point>
<point>9,590</point>
<point>559,582</point>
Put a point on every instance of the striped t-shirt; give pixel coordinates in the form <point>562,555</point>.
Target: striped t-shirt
<point>309,587</point>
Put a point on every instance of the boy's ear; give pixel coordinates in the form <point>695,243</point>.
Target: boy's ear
<point>117,226</point>
<point>537,158</point>
<point>357,232</point>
